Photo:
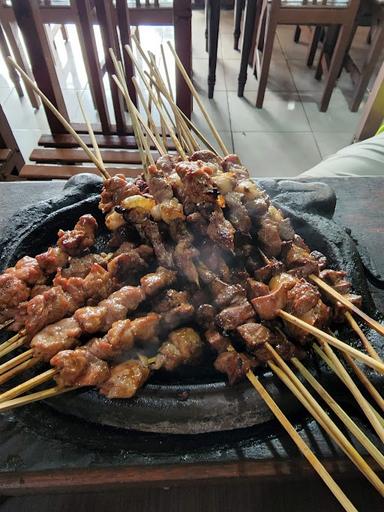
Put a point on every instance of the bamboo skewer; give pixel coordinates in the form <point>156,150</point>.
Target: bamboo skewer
<point>13,346</point>
<point>340,298</point>
<point>344,376</point>
<point>5,324</point>
<point>165,65</point>
<point>328,425</point>
<point>301,445</point>
<point>342,415</point>
<point>33,397</point>
<point>61,118</point>
<point>28,384</point>
<point>91,133</point>
<point>15,361</point>
<point>365,381</point>
<point>325,337</point>
<point>198,100</point>
<point>151,122</point>
<point>30,363</point>
<point>368,346</point>
<point>10,341</point>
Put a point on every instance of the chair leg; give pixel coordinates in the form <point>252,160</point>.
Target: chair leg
<point>206,12</point>
<point>297,35</point>
<point>6,52</point>
<point>336,64</point>
<point>213,40</point>
<point>366,73</point>
<point>314,45</point>
<point>270,31</point>
<point>249,26</point>
<point>239,7</point>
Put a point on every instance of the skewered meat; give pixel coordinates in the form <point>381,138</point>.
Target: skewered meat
<point>156,281</point>
<point>270,269</point>
<point>205,315</point>
<point>238,214</point>
<point>52,259</point>
<point>269,237</point>
<point>80,267</point>
<point>125,266</point>
<point>267,306</point>
<point>206,156</point>
<point>233,316</point>
<point>54,338</point>
<point>255,335</point>
<point>78,368</point>
<point>12,291</point>
<point>336,279</point>
<point>236,365</point>
<point>167,163</point>
<point>28,270</point>
<point>302,297</point>
<point>100,318</point>
<point>80,238</point>
<point>125,379</point>
<point>221,230</point>
<point>123,334</point>
<point>216,340</point>
<point>116,189</point>
<point>256,288</point>
<point>183,346</point>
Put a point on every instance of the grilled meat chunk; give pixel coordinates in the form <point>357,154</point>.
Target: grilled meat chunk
<point>238,214</point>
<point>78,368</point>
<point>125,379</point>
<point>52,259</point>
<point>13,291</point>
<point>80,267</point>
<point>255,335</point>
<point>221,231</point>
<point>233,316</point>
<point>336,279</point>
<point>183,346</point>
<point>62,335</point>
<point>153,283</point>
<point>79,239</point>
<point>116,189</point>
<point>216,340</point>
<point>268,306</point>
<point>235,365</point>
<point>101,317</point>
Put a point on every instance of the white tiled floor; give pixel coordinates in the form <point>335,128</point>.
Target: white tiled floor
<point>288,136</point>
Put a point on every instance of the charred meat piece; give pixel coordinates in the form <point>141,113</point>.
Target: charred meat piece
<point>233,316</point>
<point>267,306</point>
<point>101,317</point>
<point>320,258</point>
<point>256,288</point>
<point>38,289</point>
<point>339,309</point>
<point>167,163</point>
<point>299,260</point>
<point>226,294</point>
<point>159,188</point>
<point>205,315</point>
<point>217,341</point>
<point>255,335</point>
<point>153,283</point>
<point>336,279</point>
<point>79,239</point>
<point>62,335</point>
<point>125,379</point>
<point>235,365</point>
<point>221,230</point>
<point>269,237</point>
<point>302,297</point>
<point>116,189</point>
<point>175,309</point>
<point>272,268</point>
<point>27,270</point>
<point>80,267</point>
<point>198,187</point>
<point>152,233</point>
<point>318,316</point>
<point>231,163</point>
<point>183,346</point>
<point>125,266</point>
<point>238,214</point>
<point>78,368</point>
<point>52,259</point>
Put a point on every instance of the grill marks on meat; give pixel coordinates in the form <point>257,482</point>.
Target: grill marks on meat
<point>183,346</point>
<point>79,239</point>
<point>125,379</point>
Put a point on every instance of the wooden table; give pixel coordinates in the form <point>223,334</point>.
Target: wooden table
<point>252,469</point>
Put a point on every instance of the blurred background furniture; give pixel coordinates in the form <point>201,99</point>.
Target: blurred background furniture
<point>11,160</point>
<point>295,12</point>
<point>38,22</point>
<point>373,113</point>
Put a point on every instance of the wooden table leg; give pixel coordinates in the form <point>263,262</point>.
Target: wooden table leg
<point>213,7</point>
<point>182,15</point>
<point>239,7</point>
<point>249,27</point>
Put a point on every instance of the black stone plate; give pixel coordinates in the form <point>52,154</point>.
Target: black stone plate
<point>211,405</point>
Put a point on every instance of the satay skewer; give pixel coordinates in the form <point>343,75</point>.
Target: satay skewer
<point>367,345</point>
<point>345,377</point>
<point>340,298</point>
<point>335,342</point>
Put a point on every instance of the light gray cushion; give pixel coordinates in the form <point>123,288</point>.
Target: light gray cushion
<point>365,158</point>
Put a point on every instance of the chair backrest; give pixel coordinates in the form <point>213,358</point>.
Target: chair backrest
<point>316,3</point>
<point>114,17</point>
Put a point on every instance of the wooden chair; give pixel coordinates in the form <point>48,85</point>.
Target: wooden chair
<point>11,159</point>
<point>297,12</point>
<point>373,113</point>
<point>371,14</point>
